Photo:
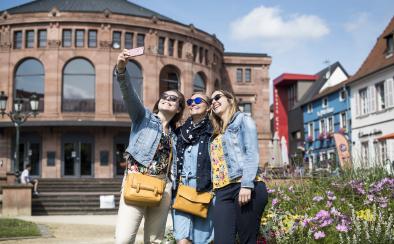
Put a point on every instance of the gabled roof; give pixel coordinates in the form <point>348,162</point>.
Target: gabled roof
<point>376,59</point>
<point>313,91</point>
<point>115,6</point>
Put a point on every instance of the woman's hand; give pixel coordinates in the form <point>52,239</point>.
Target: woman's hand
<point>245,194</point>
<point>122,60</point>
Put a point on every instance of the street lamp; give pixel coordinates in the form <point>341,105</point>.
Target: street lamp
<point>18,117</point>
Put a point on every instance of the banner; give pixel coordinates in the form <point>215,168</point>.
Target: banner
<point>343,150</point>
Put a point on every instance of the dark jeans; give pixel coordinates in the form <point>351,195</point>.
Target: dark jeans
<point>229,218</point>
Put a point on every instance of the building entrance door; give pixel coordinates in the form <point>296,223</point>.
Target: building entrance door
<point>29,153</point>
<point>120,145</point>
<point>77,157</point>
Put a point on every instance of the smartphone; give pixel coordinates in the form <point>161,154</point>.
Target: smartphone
<point>136,51</point>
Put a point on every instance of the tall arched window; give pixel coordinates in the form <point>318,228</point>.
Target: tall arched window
<point>169,78</point>
<point>136,78</point>
<point>79,80</point>
<point>217,84</point>
<point>29,79</point>
<point>199,82</point>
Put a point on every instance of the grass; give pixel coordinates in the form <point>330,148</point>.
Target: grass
<point>17,228</point>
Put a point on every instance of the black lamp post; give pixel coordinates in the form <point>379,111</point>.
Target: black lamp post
<point>18,117</point>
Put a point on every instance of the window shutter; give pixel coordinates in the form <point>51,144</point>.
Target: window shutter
<point>372,99</point>
<point>357,102</point>
<point>389,92</point>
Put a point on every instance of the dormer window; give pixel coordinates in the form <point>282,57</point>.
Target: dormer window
<point>390,45</point>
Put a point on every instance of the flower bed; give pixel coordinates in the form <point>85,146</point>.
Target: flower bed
<point>356,207</point>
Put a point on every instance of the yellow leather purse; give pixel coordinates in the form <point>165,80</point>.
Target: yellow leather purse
<point>143,190</point>
<point>190,201</point>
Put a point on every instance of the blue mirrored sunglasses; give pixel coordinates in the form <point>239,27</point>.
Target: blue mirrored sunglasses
<point>196,100</point>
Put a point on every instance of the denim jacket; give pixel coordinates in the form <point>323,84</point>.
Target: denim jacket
<point>146,127</point>
<point>241,150</point>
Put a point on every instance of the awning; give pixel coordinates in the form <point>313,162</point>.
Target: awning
<point>386,137</point>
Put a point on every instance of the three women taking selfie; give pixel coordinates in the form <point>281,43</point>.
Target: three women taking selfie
<point>215,150</point>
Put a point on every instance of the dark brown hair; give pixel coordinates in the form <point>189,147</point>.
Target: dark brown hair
<point>178,116</point>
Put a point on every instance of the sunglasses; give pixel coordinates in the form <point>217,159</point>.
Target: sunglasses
<point>196,100</point>
<point>167,97</point>
<point>217,97</point>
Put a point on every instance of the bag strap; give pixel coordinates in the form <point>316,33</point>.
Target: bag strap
<point>169,161</point>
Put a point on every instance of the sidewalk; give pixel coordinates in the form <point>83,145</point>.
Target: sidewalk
<point>78,229</point>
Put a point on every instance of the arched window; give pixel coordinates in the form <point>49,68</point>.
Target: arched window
<point>29,79</point>
<point>79,80</point>
<point>199,82</point>
<point>135,73</point>
<point>169,78</point>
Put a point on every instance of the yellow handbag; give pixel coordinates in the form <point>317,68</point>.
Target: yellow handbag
<point>190,201</point>
<point>145,190</point>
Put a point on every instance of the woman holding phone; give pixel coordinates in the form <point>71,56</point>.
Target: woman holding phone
<point>240,194</point>
<point>151,151</point>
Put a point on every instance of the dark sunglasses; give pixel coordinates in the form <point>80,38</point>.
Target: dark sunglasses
<point>167,97</point>
<point>196,100</point>
<point>217,97</point>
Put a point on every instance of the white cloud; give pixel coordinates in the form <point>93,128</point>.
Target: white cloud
<point>357,22</point>
<point>269,24</point>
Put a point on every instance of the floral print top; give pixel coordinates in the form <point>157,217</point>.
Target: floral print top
<point>219,167</point>
<point>160,161</point>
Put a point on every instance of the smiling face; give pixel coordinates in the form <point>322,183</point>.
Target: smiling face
<point>198,105</point>
<point>220,103</point>
<point>169,102</point>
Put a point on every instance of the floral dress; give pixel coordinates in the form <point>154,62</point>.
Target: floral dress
<point>160,161</point>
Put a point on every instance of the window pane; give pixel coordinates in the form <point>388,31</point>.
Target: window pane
<point>18,39</point>
<point>160,49</point>
<point>195,50</point>
<point>171,47</point>
<point>79,38</point>
<point>198,83</point>
<point>116,39</point>
<point>42,38</point>
<point>180,48</point>
<point>29,79</point>
<point>79,86</point>
<point>239,75</point>
<point>136,79</point>
<point>140,40</point>
<point>128,42</point>
<point>67,38</point>
<point>29,39</point>
<point>201,54</point>
<point>247,75</point>
<point>92,39</point>
<point>246,108</point>
<point>169,78</point>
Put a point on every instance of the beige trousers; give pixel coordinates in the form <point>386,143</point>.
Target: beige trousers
<point>130,216</point>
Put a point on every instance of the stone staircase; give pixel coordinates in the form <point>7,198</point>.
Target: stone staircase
<point>75,196</point>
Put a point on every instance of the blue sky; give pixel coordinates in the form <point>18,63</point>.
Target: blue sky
<point>299,35</point>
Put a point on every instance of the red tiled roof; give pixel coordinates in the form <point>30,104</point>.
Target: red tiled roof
<point>376,59</point>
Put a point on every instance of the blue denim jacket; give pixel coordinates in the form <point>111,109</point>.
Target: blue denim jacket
<point>146,127</point>
<point>241,149</point>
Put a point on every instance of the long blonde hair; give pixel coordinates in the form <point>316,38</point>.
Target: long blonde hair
<point>219,126</point>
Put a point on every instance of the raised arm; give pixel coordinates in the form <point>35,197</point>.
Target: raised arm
<point>134,106</point>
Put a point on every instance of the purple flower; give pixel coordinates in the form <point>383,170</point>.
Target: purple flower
<point>331,196</point>
<point>317,198</point>
<point>305,222</point>
<point>274,201</point>
<point>319,235</point>
<point>342,228</point>
<point>326,222</point>
<point>270,190</point>
<point>329,204</point>
<point>322,214</point>
<point>335,212</point>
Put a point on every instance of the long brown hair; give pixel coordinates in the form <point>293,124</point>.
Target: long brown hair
<point>219,126</point>
<point>178,116</point>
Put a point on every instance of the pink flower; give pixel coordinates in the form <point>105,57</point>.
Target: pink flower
<point>319,235</point>
<point>342,228</point>
<point>274,202</point>
<point>270,190</point>
<point>326,222</point>
<point>317,198</point>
